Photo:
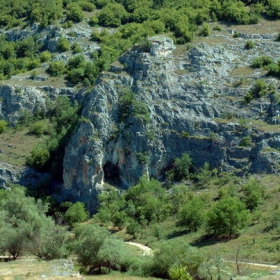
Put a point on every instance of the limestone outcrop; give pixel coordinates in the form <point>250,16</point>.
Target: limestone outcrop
<point>159,102</point>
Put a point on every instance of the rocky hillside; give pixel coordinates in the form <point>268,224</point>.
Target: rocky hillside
<point>159,101</point>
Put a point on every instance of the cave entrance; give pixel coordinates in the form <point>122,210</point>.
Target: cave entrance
<point>112,174</point>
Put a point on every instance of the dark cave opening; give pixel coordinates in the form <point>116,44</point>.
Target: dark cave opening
<point>112,174</point>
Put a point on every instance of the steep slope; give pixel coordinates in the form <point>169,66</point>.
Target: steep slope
<point>157,103</point>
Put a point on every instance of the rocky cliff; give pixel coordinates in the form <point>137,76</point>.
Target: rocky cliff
<point>158,102</point>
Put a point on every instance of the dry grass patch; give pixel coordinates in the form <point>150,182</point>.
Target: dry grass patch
<point>16,146</point>
<point>263,27</point>
<point>242,71</point>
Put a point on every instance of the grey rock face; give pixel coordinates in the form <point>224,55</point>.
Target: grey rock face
<point>192,102</point>
<point>16,99</point>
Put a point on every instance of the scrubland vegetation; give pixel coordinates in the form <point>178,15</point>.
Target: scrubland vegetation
<point>133,22</point>
<point>196,224</point>
<point>195,219</point>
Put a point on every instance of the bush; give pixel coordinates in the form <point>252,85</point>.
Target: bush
<point>56,68</point>
<point>192,214</point>
<point>45,56</point>
<point>261,61</point>
<point>178,254</point>
<point>273,9</point>
<point>253,194</point>
<point>205,31</point>
<point>3,126</point>
<point>76,213</point>
<point>245,141</point>
<point>178,272</point>
<point>76,48</point>
<point>258,90</point>
<point>63,45</point>
<point>39,128</point>
<point>38,158</point>
<point>181,169</point>
<point>249,45</point>
<point>74,13</point>
<point>113,15</point>
<point>96,249</point>
<point>274,69</point>
<point>86,6</point>
<point>227,217</point>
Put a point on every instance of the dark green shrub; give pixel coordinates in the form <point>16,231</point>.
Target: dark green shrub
<point>45,56</point>
<point>258,90</point>
<point>56,68</point>
<point>39,158</point>
<point>93,21</point>
<point>236,35</point>
<point>75,76</point>
<point>205,31</point>
<point>182,166</point>
<point>172,253</point>
<point>76,62</point>
<point>142,158</point>
<point>274,69</point>
<point>248,97</point>
<point>39,128</point>
<point>249,45</point>
<point>235,11</point>
<point>273,9</point>
<point>74,13</point>
<point>76,48</point>
<point>261,61</point>
<point>86,6</point>
<point>253,194</point>
<point>96,249</point>
<point>217,28</point>
<point>246,141</point>
<point>63,45</point>
<point>76,213</point>
<point>112,15</point>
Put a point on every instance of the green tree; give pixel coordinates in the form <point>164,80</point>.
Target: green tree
<point>113,15</point>
<point>56,68</point>
<point>253,194</point>
<point>74,12</point>
<point>227,217</point>
<point>150,201</point>
<point>25,227</point>
<point>181,169</point>
<point>192,214</point>
<point>76,213</point>
<point>172,254</point>
<point>96,249</point>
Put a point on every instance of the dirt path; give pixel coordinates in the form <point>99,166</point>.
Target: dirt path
<point>147,251</point>
<point>257,264</point>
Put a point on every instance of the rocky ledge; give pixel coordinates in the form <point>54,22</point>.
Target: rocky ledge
<point>158,102</point>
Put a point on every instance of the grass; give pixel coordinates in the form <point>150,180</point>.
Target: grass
<point>16,145</point>
<point>256,243</point>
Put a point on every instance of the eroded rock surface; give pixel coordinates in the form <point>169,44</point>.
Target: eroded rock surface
<point>183,101</point>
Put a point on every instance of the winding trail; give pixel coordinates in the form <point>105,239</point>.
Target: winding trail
<point>147,251</point>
